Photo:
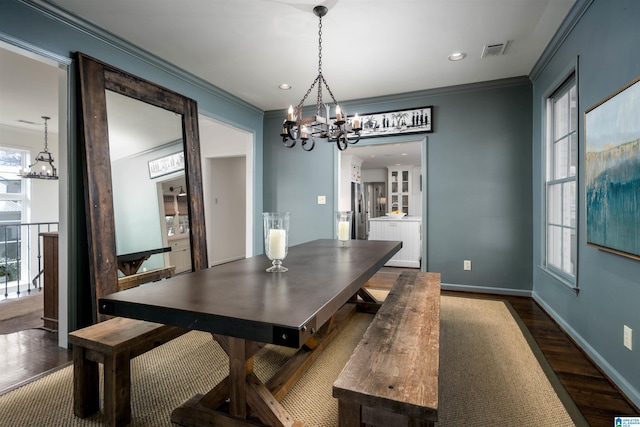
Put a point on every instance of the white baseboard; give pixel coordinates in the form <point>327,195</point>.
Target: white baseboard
<point>224,261</point>
<point>485,290</point>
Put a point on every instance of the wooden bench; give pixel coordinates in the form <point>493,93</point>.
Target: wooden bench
<point>113,343</point>
<point>391,378</point>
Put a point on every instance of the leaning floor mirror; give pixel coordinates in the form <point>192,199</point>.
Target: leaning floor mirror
<point>130,177</point>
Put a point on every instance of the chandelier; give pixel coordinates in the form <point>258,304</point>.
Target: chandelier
<point>43,167</point>
<point>342,131</point>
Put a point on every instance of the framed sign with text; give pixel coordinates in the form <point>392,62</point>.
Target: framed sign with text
<point>386,123</point>
<point>166,165</point>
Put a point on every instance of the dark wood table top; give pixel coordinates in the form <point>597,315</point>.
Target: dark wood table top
<point>240,299</point>
<point>135,256</point>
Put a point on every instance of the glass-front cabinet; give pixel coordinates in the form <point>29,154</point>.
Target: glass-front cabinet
<point>177,226</point>
<point>399,182</point>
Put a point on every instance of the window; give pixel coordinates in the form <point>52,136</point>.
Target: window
<point>12,200</point>
<point>561,183</point>
<point>176,218</point>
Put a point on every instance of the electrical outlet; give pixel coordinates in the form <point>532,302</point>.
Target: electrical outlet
<point>322,200</point>
<point>628,337</point>
<point>467,264</point>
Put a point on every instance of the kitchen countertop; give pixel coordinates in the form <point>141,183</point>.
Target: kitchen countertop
<point>404,218</point>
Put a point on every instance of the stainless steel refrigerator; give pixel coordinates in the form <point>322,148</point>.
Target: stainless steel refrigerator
<point>375,199</point>
<point>359,219</point>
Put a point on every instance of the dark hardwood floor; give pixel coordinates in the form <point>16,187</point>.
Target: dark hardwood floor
<point>29,354</point>
<point>32,353</point>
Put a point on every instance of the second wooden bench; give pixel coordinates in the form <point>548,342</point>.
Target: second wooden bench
<point>391,378</point>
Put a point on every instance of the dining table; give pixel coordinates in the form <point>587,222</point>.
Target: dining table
<point>245,307</point>
<point>130,263</point>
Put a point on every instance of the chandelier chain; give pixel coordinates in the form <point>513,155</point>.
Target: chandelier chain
<point>319,80</point>
<point>320,46</point>
<point>319,98</point>
<point>46,138</point>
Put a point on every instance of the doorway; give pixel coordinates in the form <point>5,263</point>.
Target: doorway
<point>228,187</point>
<point>36,85</point>
<point>393,175</point>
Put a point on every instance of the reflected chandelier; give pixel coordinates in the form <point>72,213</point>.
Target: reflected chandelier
<point>342,131</point>
<point>43,167</point>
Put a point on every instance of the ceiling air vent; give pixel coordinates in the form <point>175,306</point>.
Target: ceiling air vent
<point>491,50</point>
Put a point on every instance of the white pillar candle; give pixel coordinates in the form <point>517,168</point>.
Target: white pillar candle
<point>343,230</point>
<point>277,239</point>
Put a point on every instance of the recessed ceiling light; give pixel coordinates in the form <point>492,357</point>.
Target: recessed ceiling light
<point>403,154</point>
<point>457,56</point>
<point>285,86</point>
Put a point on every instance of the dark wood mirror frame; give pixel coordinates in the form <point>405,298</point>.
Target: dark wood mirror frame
<point>94,78</point>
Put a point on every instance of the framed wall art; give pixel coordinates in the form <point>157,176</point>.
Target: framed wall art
<point>612,176</point>
<point>388,123</point>
<point>166,165</point>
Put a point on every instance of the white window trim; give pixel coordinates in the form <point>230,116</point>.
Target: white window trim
<point>569,281</point>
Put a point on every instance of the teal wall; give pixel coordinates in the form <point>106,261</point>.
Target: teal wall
<point>604,44</point>
<point>478,172</point>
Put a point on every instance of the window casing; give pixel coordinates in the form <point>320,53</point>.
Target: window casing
<point>561,188</point>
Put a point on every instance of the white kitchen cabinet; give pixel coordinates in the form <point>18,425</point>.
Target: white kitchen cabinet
<point>408,230</point>
<point>399,183</point>
<point>180,254</point>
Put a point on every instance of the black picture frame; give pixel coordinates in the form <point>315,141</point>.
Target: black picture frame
<point>398,122</point>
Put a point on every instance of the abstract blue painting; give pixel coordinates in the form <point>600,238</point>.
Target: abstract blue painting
<point>612,177</point>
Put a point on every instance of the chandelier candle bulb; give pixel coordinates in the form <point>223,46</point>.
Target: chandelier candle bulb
<point>290,114</point>
<point>277,244</point>
<point>356,122</point>
<point>338,113</point>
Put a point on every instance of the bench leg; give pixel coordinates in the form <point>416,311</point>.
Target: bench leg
<point>117,390</point>
<point>86,396</point>
<point>348,414</point>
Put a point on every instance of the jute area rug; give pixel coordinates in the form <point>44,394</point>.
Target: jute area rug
<point>489,376</point>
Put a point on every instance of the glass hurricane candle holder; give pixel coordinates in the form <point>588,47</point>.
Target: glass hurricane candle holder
<point>276,239</point>
<point>343,228</point>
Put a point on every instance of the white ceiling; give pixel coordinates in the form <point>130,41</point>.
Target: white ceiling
<point>249,47</point>
<point>370,47</point>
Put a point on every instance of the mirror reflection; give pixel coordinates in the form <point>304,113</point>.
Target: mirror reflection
<point>148,184</point>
